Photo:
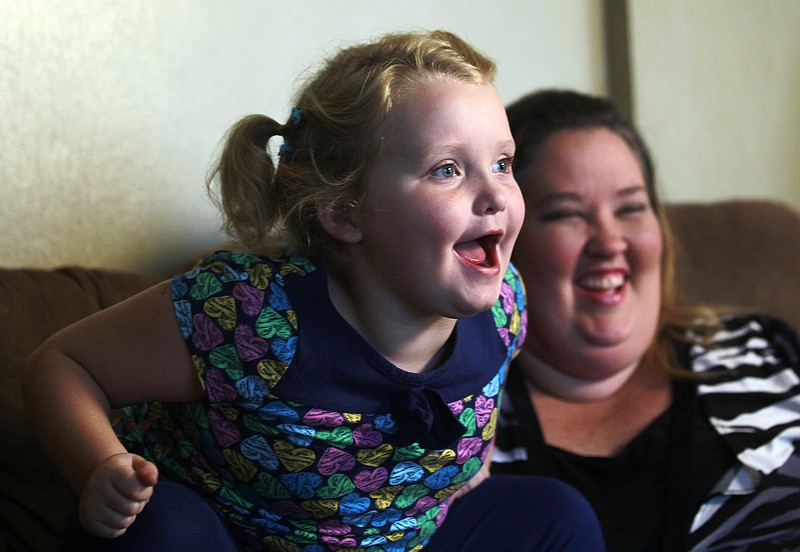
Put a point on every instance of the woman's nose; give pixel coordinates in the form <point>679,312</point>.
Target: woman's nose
<point>606,241</point>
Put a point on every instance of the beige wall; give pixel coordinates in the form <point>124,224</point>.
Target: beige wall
<point>716,90</point>
<point>112,111</point>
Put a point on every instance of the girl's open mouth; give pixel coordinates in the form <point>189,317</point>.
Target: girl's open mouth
<point>479,252</point>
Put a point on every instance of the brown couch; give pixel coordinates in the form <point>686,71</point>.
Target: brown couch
<point>740,253</point>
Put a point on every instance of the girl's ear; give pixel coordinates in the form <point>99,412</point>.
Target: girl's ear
<point>338,222</point>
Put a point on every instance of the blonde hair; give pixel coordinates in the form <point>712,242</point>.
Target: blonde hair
<point>340,116</point>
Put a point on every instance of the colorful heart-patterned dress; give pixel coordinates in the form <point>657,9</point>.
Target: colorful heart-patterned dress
<point>308,439</point>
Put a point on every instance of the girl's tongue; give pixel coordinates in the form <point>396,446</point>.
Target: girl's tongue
<point>472,251</point>
<point>480,252</point>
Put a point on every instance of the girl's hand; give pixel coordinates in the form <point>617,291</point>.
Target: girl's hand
<point>116,492</point>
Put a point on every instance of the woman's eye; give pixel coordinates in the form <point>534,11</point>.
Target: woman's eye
<point>503,166</point>
<point>448,170</point>
<point>553,216</point>
<point>632,208</point>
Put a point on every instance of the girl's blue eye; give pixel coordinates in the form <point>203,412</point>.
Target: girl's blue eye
<point>448,170</point>
<point>503,166</point>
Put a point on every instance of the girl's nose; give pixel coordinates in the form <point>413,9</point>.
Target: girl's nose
<point>494,197</point>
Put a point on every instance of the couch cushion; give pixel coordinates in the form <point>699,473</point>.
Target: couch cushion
<point>741,253</point>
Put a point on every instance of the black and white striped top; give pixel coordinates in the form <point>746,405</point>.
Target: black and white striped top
<point>719,471</point>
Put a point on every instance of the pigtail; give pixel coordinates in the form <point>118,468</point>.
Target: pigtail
<point>245,174</point>
<point>332,135</point>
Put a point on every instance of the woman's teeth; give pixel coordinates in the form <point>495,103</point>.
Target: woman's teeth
<point>602,283</point>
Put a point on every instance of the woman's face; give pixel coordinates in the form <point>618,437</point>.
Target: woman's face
<point>590,254</point>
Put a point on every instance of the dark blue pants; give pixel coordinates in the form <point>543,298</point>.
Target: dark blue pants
<point>515,513</point>
<point>175,519</point>
<point>503,514</point>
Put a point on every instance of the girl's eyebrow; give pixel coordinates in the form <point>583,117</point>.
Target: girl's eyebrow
<point>504,144</point>
<point>455,146</point>
<point>443,150</point>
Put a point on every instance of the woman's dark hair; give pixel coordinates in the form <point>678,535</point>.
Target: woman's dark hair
<point>536,117</point>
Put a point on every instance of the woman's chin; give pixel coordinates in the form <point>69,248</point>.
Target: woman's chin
<point>605,334</point>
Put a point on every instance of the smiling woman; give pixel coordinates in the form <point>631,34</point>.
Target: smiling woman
<point>633,397</point>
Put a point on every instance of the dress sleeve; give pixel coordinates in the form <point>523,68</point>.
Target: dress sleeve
<point>510,311</point>
<point>238,325</point>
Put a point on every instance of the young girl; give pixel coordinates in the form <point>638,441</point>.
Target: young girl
<point>339,392</point>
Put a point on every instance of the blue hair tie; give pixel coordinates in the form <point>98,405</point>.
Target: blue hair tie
<point>285,148</point>
<point>297,115</point>
<point>297,118</point>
